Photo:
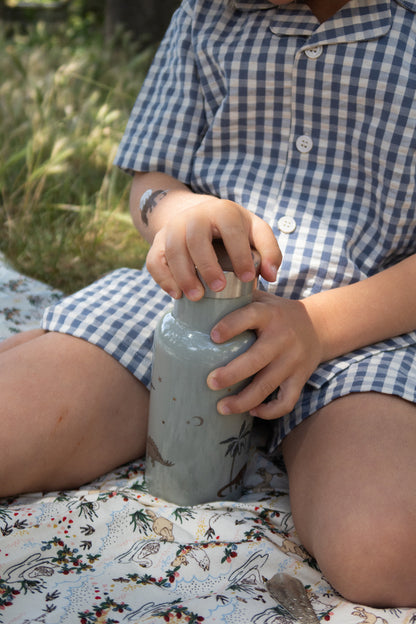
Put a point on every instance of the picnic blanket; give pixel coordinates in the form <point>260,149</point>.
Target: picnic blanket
<point>111,552</point>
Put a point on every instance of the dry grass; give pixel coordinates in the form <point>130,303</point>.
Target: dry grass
<point>65,98</point>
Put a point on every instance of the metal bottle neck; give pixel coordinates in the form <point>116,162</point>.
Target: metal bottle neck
<point>234,288</point>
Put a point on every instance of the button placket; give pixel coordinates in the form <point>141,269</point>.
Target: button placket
<point>304,142</point>
<point>302,133</point>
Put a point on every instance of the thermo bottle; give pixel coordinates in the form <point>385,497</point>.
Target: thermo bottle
<point>194,454</point>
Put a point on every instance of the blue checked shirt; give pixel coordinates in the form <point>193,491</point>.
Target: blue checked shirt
<point>311,126</point>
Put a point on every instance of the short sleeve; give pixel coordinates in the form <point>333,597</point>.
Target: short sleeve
<point>167,120</point>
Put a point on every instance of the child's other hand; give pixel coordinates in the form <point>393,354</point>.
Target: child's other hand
<point>185,242</point>
<point>285,354</point>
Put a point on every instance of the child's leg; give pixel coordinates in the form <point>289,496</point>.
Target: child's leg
<point>18,339</point>
<point>352,475</point>
<point>68,413</point>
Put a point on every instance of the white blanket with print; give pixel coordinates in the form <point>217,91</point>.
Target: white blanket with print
<point>110,552</point>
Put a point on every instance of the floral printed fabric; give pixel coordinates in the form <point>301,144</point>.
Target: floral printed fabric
<point>110,552</point>
<point>22,300</point>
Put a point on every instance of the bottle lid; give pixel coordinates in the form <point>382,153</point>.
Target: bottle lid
<point>234,286</point>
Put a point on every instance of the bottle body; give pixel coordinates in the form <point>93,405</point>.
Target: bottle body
<point>194,454</point>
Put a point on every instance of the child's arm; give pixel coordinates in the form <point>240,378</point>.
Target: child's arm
<point>377,308</point>
<point>180,226</point>
<point>294,337</point>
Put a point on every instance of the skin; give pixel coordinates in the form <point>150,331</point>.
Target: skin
<point>81,413</point>
<point>293,337</point>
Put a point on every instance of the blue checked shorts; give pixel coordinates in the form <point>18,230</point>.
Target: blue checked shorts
<point>119,313</point>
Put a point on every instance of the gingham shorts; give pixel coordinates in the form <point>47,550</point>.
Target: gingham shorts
<point>119,313</point>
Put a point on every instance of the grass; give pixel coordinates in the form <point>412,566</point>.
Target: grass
<point>65,97</point>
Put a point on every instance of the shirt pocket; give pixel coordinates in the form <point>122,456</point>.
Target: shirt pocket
<point>328,370</point>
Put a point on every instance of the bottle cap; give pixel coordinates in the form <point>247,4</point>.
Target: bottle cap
<point>234,286</point>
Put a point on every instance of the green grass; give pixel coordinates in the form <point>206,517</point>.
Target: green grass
<point>65,97</point>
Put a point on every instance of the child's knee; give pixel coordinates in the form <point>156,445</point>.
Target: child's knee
<point>371,559</point>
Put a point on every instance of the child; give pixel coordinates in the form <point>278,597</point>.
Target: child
<point>261,121</point>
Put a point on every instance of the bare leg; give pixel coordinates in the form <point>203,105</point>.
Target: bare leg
<point>352,475</point>
<point>68,411</point>
<point>18,339</point>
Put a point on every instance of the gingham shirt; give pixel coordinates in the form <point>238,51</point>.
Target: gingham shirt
<point>312,126</point>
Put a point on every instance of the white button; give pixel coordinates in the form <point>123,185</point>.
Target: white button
<point>304,143</point>
<point>314,53</point>
<point>286,224</point>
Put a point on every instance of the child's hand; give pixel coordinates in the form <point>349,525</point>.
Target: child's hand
<point>184,242</point>
<point>285,354</point>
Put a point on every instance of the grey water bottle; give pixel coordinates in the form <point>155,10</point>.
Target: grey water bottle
<point>194,454</point>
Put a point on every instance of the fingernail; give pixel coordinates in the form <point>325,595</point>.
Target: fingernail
<point>194,293</point>
<point>224,409</point>
<point>215,335</point>
<point>253,412</point>
<point>212,382</point>
<point>217,285</point>
<point>248,276</point>
<point>273,270</point>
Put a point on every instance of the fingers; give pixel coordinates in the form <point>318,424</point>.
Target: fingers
<point>269,362</point>
<point>283,403</point>
<point>284,399</point>
<point>157,265</point>
<point>229,222</point>
<point>284,356</point>
<point>264,240</point>
<point>251,232</point>
<point>185,242</point>
<point>172,262</point>
<point>275,376</point>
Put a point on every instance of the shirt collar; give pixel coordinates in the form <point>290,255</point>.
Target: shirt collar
<point>358,20</point>
<point>408,4</point>
<point>255,5</point>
